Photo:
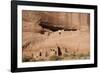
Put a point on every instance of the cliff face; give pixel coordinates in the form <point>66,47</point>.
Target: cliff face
<point>61,34</point>
<point>55,19</point>
<point>31,21</point>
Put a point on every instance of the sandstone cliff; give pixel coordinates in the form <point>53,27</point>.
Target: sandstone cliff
<point>55,35</point>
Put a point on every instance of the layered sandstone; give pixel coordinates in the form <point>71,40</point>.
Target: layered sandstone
<point>41,41</point>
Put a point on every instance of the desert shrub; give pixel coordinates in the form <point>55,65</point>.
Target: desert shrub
<point>71,55</point>
<point>83,56</point>
<point>88,54</point>
<point>66,55</point>
<point>25,59</point>
<point>75,56</point>
<point>53,58</point>
<point>33,60</point>
<point>41,60</point>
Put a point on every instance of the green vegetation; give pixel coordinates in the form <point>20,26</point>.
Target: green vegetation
<point>54,58</point>
<point>72,56</point>
<point>26,59</point>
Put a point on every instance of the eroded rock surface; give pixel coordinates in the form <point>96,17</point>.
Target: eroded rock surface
<point>55,36</point>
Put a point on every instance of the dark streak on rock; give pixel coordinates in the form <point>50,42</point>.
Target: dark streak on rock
<point>26,45</point>
<point>54,28</point>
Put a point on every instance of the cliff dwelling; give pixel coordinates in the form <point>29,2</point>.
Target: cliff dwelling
<point>52,36</point>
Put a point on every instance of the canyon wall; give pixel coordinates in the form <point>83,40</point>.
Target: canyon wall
<point>68,20</point>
